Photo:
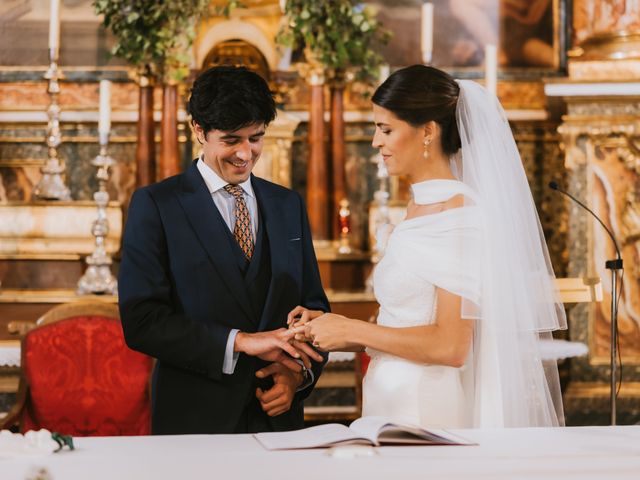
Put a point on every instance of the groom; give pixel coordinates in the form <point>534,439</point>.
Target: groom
<point>212,261</point>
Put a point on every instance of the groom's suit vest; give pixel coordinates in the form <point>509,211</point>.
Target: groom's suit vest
<point>257,279</point>
<point>257,271</point>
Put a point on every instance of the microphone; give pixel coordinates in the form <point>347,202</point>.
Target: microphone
<point>615,264</point>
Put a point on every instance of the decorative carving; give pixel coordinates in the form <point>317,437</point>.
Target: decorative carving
<point>606,29</point>
<point>602,146</point>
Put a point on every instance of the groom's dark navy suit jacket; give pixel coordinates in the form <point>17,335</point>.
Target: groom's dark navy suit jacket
<point>182,289</point>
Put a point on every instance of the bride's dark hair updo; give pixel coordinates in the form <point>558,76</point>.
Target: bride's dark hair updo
<point>420,94</point>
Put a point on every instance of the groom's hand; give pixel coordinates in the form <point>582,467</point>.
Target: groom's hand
<point>277,346</point>
<point>273,346</point>
<point>277,400</point>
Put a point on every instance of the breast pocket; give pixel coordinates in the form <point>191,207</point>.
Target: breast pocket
<point>294,252</point>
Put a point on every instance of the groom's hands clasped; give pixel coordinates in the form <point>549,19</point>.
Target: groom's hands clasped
<point>289,357</point>
<point>277,399</point>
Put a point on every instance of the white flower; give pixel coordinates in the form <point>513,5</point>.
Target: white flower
<point>31,443</point>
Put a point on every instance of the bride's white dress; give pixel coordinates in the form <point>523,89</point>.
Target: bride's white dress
<point>418,250</point>
<point>492,254</point>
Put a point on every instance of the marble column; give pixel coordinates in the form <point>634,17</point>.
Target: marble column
<point>169,152</point>
<point>338,191</point>
<point>317,171</point>
<point>145,148</point>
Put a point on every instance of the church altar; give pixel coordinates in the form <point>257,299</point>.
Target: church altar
<point>549,453</point>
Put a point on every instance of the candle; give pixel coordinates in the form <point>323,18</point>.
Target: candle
<point>385,71</point>
<point>54,27</point>
<point>104,123</point>
<point>427,32</point>
<point>491,68</point>
<point>285,61</point>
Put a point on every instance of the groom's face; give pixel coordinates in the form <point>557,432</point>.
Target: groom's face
<point>232,154</point>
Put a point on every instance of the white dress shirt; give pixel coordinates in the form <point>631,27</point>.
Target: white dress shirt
<point>226,204</point>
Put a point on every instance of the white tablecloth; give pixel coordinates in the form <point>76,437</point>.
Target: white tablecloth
<point>605,453</point>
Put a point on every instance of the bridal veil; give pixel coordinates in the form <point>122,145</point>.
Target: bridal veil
<point>512,386</point>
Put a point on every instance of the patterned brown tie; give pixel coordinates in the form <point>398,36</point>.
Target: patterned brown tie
<point>242,230</point>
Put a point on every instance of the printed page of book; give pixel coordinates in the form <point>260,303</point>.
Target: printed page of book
<point>386,432</point>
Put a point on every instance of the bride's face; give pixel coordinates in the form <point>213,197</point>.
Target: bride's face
<point>401,144</point>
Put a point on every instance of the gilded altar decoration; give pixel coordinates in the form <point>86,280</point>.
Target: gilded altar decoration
<point>604,161</point>
<point>607,29</point>
<point>597,17</point>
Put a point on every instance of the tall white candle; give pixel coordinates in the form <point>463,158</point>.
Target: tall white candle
<point>104,123</point>
<point>385,71</point>
<point>54,26</point>
<point>426,32</point>
<point>491,68</point>
<point>285,61</point>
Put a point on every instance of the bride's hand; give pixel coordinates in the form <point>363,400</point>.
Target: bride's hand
<point>328,332</point>
<point>299,316</point>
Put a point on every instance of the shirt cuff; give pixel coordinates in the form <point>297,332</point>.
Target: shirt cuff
<point>230,357</point>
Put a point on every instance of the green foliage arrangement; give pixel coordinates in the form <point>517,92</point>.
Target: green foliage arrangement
<point>343,35</point>
<point>154,36</point>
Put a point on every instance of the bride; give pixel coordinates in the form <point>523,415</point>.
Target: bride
<point>465,286</point>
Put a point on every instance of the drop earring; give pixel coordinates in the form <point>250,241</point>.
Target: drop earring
<point>425,152</point>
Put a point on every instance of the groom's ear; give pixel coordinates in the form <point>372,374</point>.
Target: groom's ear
<point>199,131</point>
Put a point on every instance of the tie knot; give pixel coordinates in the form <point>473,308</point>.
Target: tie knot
<point>235,190</point>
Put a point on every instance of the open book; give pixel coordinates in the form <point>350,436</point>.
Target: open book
<point>366,431</point>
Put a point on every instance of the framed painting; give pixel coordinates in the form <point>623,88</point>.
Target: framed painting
<point>531,35</point>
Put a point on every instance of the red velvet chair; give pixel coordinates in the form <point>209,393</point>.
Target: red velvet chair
<point>80,378</point>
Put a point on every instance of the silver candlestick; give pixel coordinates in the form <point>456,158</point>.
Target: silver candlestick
<point>51,186</point>
<point>97,279</point>
<point>382,217</point>
<point>381,197</point>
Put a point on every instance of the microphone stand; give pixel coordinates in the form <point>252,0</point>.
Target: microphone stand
<point>614,266</point>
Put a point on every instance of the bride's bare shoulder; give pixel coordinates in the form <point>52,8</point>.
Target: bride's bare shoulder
<point>456,201</point>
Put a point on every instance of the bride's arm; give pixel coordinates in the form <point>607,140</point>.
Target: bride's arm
<point>445,342</point>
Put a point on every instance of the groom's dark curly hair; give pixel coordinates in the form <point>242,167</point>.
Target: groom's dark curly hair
<point>420,94</point>
<point>230,98</point>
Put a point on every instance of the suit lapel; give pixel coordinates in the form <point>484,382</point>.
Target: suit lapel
<point>207,223</point>
<point>273,221</point>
